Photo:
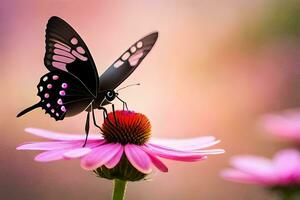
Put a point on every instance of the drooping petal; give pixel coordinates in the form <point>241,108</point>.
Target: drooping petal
<point>175,154</point>
<point>287,165</point>
<point>100,155</point>
<point>115,160</point>
<point>77,153</point>
<point>138,158</point>
<point>60,136</point>
<point>47,146</point>
<point>155,161</point>
<point>238,176</point>
<point>186,144</point>
<point>50,155</point>
<point>256,166</point>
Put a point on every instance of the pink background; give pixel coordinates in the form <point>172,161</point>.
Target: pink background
<point>206,75</point>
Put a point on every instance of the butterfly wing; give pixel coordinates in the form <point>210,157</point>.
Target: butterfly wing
<point>66,51</point>
<point>127,63</point>
<point>63,95</point>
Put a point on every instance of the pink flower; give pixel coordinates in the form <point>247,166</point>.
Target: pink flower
<point>285,125</point>
<point>282,170</point>
<point>129,137</point>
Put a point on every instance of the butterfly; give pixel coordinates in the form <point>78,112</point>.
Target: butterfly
<point>72,84</point>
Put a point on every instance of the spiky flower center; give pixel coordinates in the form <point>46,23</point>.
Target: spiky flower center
<point>126,127</point>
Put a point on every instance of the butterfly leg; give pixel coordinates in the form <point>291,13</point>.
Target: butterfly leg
<point>124,103</point>
<point>87,128</point>
<point>114,113</point>
<point>94,120</point>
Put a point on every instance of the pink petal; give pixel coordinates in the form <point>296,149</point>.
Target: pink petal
<point>255,166</point>
<point>241,177</point>
<point>186,144</point>
<point>155,161</point>
<point>47,145</point>
<point>286,125</point>
<point>60,136</point>
<point>138,158</point>
<point>50,155</point>
<point>77,153</point>
<point>287,165</point>
<point>115,160</point>
<point>175,154</point>
<point>100,155</point>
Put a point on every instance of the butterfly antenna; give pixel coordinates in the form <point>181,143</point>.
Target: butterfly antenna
<point>29,109</point>
<point>135,84</point>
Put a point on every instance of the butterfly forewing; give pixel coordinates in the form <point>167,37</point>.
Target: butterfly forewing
<point>66,51</point>
<point>63,95</point>
<point>127,63</point>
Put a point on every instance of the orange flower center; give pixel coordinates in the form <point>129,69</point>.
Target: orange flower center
<point>128,128</point>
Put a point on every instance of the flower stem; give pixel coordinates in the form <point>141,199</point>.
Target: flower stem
<point>119,189</point>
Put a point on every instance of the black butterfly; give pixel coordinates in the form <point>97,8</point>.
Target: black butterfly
<point>73,85</point>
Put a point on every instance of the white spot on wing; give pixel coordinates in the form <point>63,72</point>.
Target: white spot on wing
<point>118,64</point>
<point>133,49</point>
<point>139,44</point>
<point>125,56</point>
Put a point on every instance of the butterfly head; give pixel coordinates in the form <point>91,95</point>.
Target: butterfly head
<point>110,95</point>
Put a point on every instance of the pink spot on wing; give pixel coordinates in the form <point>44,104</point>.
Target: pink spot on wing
<point>46,95</point>
<point>74,41</point>
<point>77,55</point>
<point>64,85</point>
<point>64,53</point>
<point>63,109</point>
<point>63,59</point>
<point>59,102</point>
<point>80,50</point>
<point>56,114</point>
<point>62,47</point>
<point>48,105</point>
<point>52,110</point>
<point>62,93</point>
<point>55,77</point>
<point>49,86</point>
<point>59,65</point>
<point>134,59</point>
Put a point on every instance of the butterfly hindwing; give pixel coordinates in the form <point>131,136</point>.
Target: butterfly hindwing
<point>66,51</point>
<point>127,63</point>
<point>62,94</point>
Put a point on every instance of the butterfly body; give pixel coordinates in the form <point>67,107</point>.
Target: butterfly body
<point>72,84</point>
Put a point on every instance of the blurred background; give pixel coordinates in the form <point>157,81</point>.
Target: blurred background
<point>216,67</point>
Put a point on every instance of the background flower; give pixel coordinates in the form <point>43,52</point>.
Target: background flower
<point>282,170</point>
<point>285,125</point>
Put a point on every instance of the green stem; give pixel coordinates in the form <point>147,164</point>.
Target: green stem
<point>119,189</point>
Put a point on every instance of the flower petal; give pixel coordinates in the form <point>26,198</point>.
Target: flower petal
<point>238,176</point>
<point>77,153</point>
<point>50,155</point>
<point>115,160</point>
<point>155,161</point>
<point>47,146</point>
<point>285,125</point>
<point>175,154</point>
<point>255,166</point>
<point>287,165</point>
<point>138,158</point>
<point>100,155</point>
<point>60,136</point>
<point>186,144</point>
